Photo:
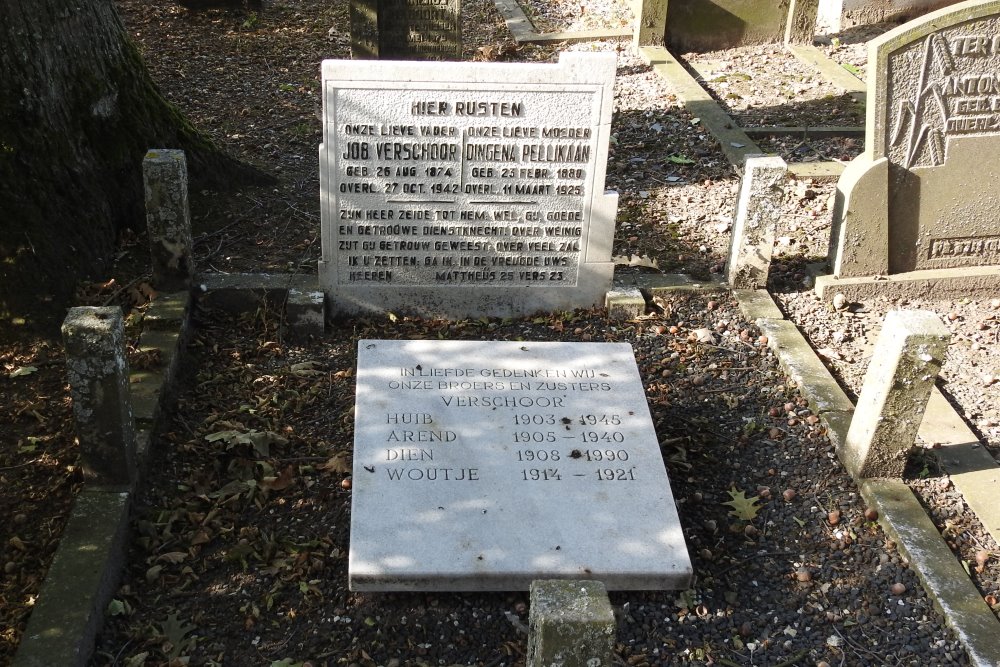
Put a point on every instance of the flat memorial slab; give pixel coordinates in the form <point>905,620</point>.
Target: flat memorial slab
<point>481,466</point>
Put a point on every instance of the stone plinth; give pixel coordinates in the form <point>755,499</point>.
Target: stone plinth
<point>571,624</point>
<point>487,465</point>
<point>98,375</point>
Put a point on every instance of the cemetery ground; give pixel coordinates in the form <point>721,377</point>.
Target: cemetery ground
<point>240,541</point>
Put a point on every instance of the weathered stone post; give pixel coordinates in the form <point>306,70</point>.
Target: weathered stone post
<point>168,218</point>
<point>650,27</point>
<point>570,623</point>
<point>99,385</point>
<point>907,359</point>
<point>761,192</point>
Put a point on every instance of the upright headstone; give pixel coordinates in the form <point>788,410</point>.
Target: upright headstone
<point>917,210</point>
<point>466,189</point>
<point>168,218</point>
<point>708,25</point>
<point>406,29</point>
<point>99,385</point>
<point>488,465</point>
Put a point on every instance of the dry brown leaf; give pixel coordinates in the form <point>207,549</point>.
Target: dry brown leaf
<point>339,463</point>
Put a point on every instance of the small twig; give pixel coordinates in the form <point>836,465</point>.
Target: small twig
<point>794,659</point>
<point>19,465</point>
<point>117,293</point>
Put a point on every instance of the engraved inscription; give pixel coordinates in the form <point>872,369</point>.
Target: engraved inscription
<point>545,446</point>
<point>985,248</point>
<point>437,187</point>
<point>946,85</point>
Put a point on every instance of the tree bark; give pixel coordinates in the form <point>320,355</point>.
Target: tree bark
<point>78,110</point>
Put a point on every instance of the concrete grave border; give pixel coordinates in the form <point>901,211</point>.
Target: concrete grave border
<point>70,636</point>
<point>523,30</point>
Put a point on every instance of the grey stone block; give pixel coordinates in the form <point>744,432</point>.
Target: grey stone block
<point>168,218</point>
<point>624,303</point>
<point>305,312</point>
<point>570,624</point>
<point>99,385</point>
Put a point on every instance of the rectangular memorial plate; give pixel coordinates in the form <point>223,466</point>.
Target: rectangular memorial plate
<point>481,466</point>
<point>466,189</point>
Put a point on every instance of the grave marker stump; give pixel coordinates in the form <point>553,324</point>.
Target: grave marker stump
<point>98,375</point>
<point>908,356</point>
<point>168,218</point>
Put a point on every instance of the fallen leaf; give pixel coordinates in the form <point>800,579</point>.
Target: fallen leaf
<point>338,463</point>
<point>173,556</point>
<point>281,482</point>
<point>22,371</point>
<point>743,508</point>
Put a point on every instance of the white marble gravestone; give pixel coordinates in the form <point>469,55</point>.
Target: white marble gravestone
<point>466,189</point>
<point>485,465</point>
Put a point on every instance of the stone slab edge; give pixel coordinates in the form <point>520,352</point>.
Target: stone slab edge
<point>923,284</point>
<point>524,32</point>
<point>830,70</point>
<point>665,282</point>
<point>79,584</point>
<point>900,514</point>
<point>964,609</point>
<point>238,292</point>
<point>85,570</point>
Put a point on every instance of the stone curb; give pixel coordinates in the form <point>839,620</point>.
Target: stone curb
<point>85,571</point>
<point>734,142</point>
<point>831,70</point>
<point>900,513</point>
<point>524,32</point>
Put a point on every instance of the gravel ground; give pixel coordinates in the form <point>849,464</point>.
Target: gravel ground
<point>223,571</point>
<point>239,554</point>
<point>766,85</point>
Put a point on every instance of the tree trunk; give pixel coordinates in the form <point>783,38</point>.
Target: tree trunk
<point>78,111</point>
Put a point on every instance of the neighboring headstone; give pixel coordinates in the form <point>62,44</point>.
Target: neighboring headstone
<point>762,191</point>
<point>168,218</point>
<point>570,624</point>
<point>709,25</point>
<point>483,465</point>
<point>917,211</point>
<point>837,15</point>
<point>908,356</point>
<point>406,29</point>
<point>466,189</point>
<point>97,369</point>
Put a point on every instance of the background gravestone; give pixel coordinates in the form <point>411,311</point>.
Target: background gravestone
<point>406,29</point>
<point>466,189</point>
<point>919,206</point>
